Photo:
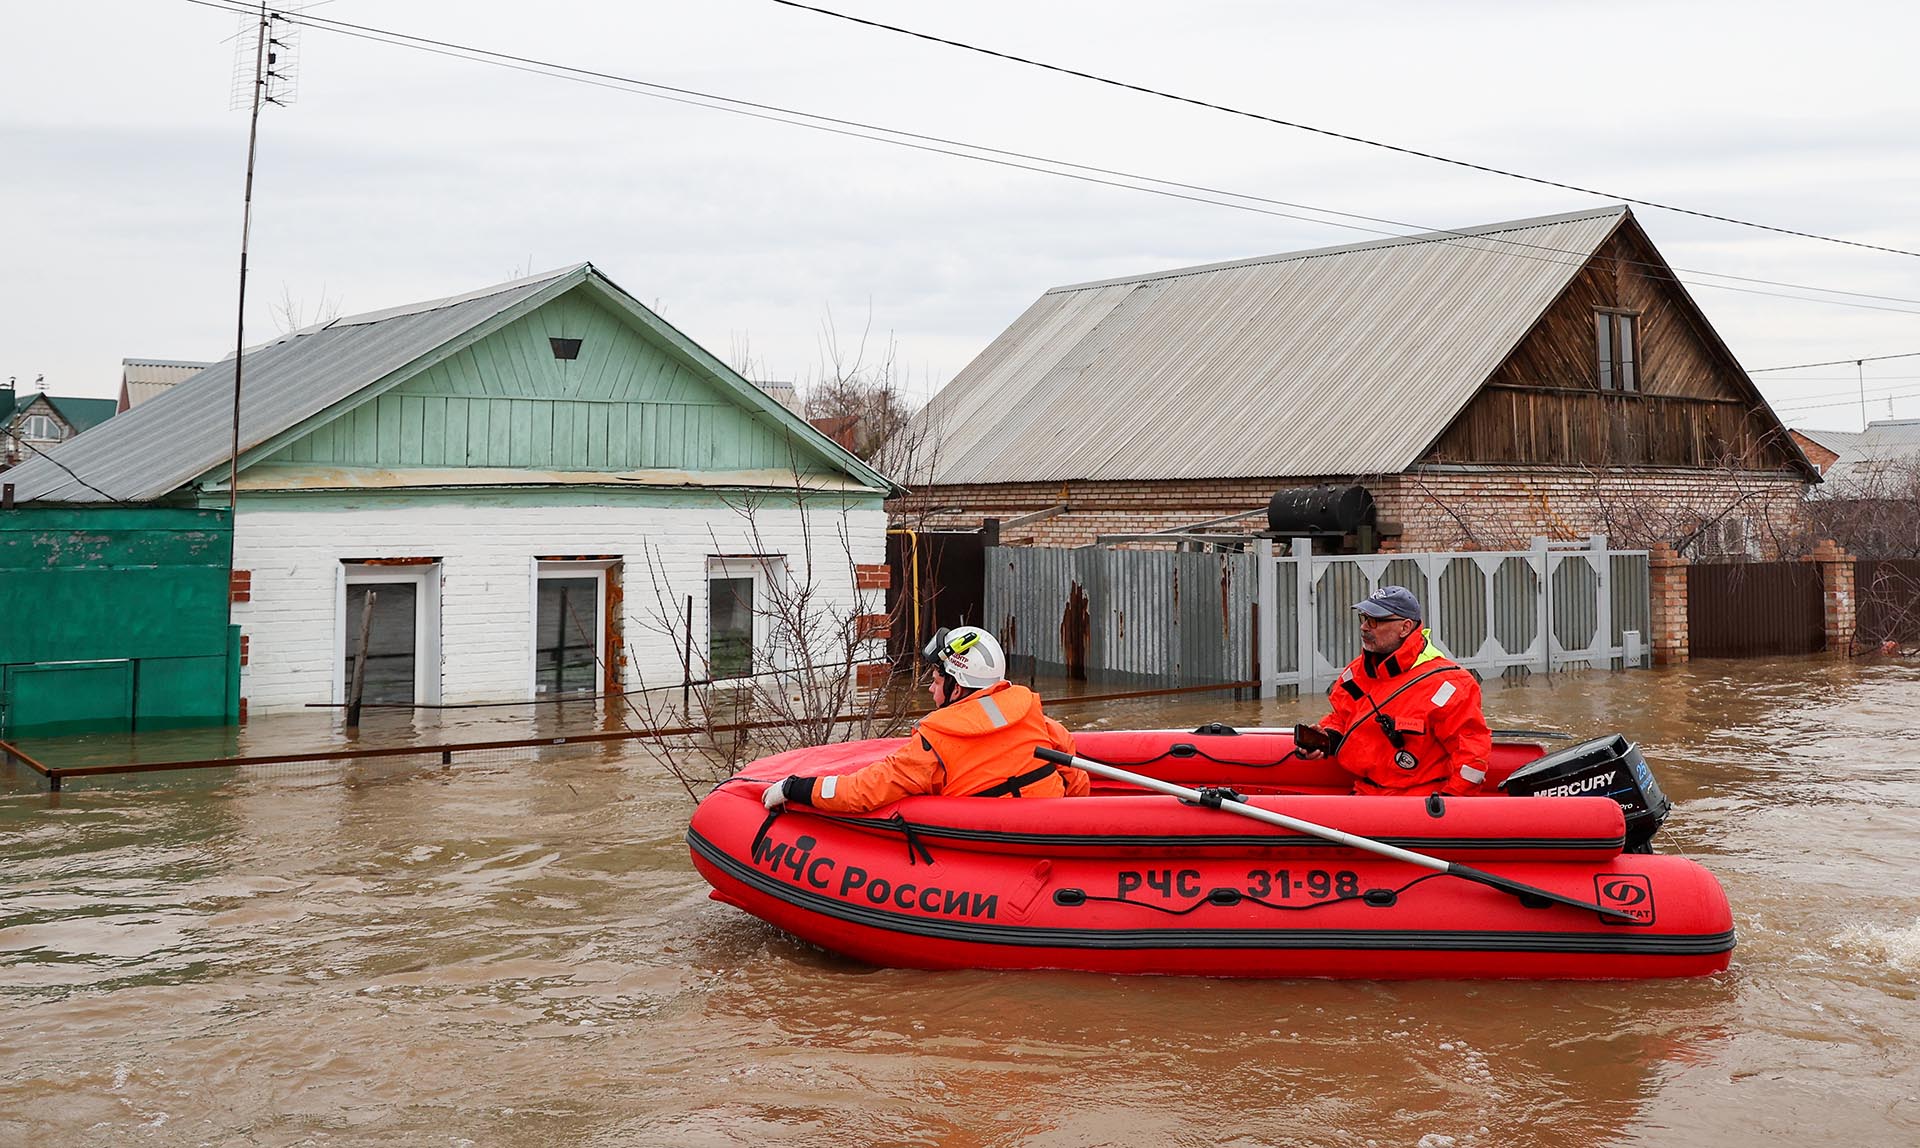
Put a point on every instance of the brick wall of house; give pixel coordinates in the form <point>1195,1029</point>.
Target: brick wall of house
<point>1436,509</point>
<point>482,590</point>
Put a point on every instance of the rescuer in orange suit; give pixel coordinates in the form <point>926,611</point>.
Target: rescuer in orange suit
<point>978,741</point>
<point>1405,719</point>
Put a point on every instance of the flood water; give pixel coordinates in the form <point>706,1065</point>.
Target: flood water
<point>518,953</point>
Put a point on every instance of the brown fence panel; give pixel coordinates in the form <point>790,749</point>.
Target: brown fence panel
<point>1888,593</point>
<point>1754,609</point>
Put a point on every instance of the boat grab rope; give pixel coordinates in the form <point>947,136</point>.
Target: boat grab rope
<point>1381,898</point>
<point>916,848</point>
<point>1187,749</point>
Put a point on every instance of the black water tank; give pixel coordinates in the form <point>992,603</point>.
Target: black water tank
<point>1319,510</point>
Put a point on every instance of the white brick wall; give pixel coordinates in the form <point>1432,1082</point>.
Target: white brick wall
<point>486,587</point>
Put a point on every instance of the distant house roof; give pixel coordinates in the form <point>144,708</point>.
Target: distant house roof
<point>1338,360</point>
<point>142,379</point>
<point>78,413</point>
<point>1837,441</point>
<point>782,390</point>
<point>84,414</point>
<point>1866,456</point>
<point>162,445</point>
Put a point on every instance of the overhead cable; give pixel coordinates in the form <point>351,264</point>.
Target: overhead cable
<point>1156,92</point>
<point>773,113</point>
<point>1836,362</point>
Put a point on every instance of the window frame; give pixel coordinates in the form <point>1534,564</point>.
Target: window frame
<point>424,576</point>
<point>568,568</point>
<point>1615,373</point>
<point>53,432</point>
<point>761,569</point>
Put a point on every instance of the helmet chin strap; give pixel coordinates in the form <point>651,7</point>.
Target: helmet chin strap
<point>955,692</point>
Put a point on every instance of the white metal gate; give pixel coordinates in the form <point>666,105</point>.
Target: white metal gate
<point>1549,608</point>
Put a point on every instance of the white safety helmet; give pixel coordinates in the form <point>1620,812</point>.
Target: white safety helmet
<point>968,654</point>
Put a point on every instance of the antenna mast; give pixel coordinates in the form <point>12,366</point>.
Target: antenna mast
<point>270,80</point>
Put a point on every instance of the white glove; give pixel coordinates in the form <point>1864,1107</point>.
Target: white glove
<point>775,795</point>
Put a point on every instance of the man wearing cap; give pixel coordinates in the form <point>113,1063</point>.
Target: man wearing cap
<point>1405,719</point>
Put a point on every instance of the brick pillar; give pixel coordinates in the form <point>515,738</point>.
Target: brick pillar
<point>1669,583</point>
<point>1836,593</point>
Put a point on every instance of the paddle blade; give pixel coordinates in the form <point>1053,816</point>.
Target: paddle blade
<point>1523,891</point>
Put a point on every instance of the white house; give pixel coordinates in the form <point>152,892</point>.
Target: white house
<point>534,481</point>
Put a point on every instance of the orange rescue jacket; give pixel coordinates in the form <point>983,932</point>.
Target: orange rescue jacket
<point>981,742</point>
<point>1434,708</point>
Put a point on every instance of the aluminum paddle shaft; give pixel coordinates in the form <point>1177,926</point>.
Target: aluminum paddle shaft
<point>1327,833</point>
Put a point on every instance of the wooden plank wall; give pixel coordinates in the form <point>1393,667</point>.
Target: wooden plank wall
<point>1544,406</point>
<point>506,401</point>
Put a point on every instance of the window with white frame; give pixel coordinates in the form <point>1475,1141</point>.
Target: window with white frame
<point>389,611</point>
<point>569,627</point>
<point>41,428</point>
<point>739,604</point>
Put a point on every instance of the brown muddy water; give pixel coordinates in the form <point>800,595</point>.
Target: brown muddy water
<point>520,954</point>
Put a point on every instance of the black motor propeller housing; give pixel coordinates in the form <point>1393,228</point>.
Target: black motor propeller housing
<point>1604,767</point>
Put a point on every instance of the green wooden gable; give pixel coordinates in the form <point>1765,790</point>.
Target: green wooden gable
<point>630,400</point>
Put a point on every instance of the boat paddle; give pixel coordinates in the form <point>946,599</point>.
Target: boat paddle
<point>1218,799</point>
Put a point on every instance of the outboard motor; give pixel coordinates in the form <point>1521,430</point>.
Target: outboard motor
<point>1604,767</point>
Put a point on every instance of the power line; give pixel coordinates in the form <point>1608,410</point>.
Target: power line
<point>1836,362</point>
<point>1335,134</point>
<point>1801,408</point>
<point>63,466</point>
<point>774,113</point>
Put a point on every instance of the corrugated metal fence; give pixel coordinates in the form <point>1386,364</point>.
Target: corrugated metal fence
<point>1754,609</point>
<point>1188,618</point>
<point>1124,615</point>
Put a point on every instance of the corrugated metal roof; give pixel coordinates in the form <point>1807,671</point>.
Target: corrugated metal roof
<point>1870,460</point>
<point>1836,441</point>
<point>155,449</point>
<point>1338,360</point>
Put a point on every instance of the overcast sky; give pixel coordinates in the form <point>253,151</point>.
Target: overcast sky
<point>398,175</point>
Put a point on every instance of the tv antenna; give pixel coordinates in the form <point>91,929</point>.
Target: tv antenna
<point>278,81</point>
<point>266,74</point>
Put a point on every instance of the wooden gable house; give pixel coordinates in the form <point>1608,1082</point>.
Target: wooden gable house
<point>1544,377</point>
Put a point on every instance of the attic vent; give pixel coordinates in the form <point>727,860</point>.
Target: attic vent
<point>565,348</point>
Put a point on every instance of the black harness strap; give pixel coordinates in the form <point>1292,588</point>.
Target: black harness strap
<point>1012,786</point>
<point>1395,738</point>
<point>916,851</point>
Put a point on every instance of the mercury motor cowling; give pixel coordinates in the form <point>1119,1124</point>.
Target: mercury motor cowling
<point>1604,767</point>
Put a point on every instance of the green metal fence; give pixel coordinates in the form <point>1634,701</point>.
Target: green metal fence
<point>115,618</point>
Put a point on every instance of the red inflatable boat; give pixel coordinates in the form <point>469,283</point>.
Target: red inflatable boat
<point>1128,881</point>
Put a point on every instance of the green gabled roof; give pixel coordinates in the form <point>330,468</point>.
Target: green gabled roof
<point>338,370</point>
<point>84,413</point>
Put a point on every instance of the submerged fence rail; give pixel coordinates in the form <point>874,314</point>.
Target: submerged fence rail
<point>445,752</point>
<point>1286,620</point>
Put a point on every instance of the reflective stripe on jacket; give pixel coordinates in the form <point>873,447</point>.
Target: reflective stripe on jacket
<point>1434,707</point>
<point>960,750</point>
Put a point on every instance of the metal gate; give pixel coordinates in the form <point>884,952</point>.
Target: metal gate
<point>1190,618</point>
<point>1755,609</point>
<point>1124,615</point>
<point>1548,608</point>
